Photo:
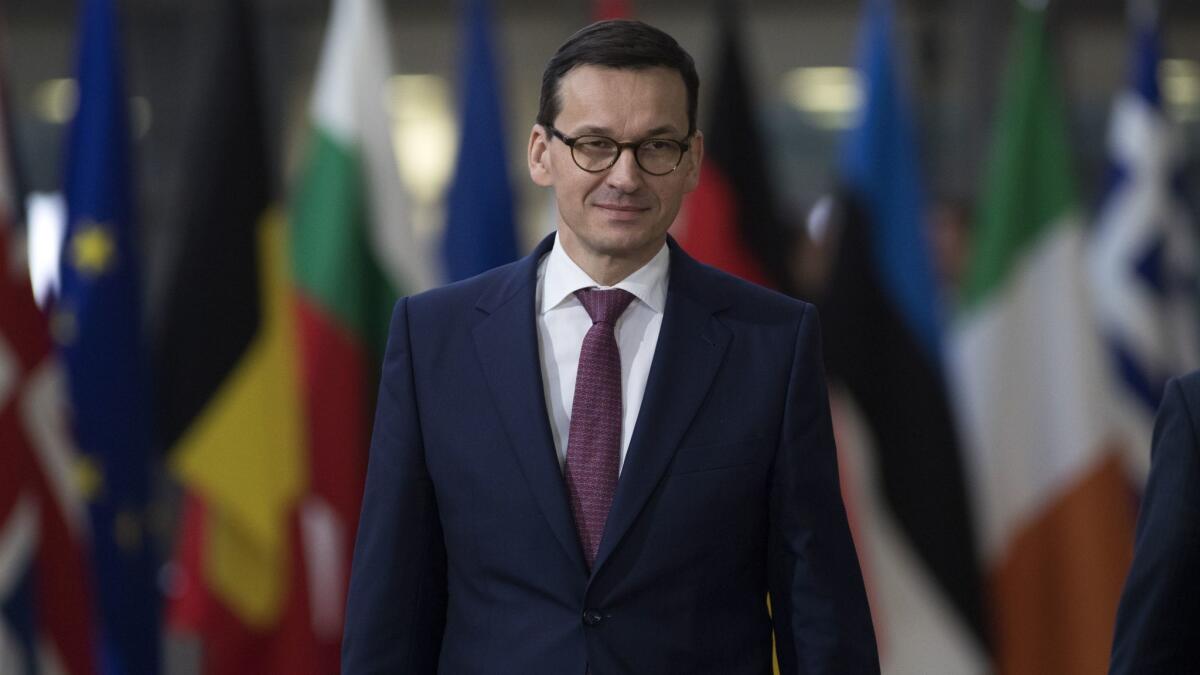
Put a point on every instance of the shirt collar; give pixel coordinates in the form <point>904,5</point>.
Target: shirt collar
<point>563,277</point>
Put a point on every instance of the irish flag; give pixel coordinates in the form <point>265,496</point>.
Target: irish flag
<point>1054,507</point>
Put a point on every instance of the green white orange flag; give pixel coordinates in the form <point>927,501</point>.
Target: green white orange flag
<point>353,253</point>
<point>1053,503</point>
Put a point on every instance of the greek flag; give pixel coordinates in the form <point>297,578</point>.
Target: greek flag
<point>1143,249</point>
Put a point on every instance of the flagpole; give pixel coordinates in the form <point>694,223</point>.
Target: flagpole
<point>1143,12</point>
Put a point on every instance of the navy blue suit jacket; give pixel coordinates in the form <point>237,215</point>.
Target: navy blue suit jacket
<point>1158,623</point>
<point>467,558</point>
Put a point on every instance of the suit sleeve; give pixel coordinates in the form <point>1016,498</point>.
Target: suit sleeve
<point>1159,615</point>
<point>396,608</point>
<point>819,606</point>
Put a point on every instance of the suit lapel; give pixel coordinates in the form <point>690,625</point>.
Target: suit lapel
<point>691,346</point>
<point>507,346</point>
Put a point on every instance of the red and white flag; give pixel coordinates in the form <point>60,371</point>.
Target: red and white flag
<point>45,607</point>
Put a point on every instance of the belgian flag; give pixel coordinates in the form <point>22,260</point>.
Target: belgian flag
<point>229,392</point>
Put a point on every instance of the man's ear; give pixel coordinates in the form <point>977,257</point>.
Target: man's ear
<point>539,157</point>
<point>693,160</point>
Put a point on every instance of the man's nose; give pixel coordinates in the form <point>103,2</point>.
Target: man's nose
<point>625,175</point>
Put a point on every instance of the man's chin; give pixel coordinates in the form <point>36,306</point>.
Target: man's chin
<point>632,246</point>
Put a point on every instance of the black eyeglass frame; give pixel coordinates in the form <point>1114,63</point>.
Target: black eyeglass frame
<point>633,146</point>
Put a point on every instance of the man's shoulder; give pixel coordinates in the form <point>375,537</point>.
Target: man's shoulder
<point>1188,388</point>
<point>492,286</point>
<point>742,299</point>
<point>1190,384</point>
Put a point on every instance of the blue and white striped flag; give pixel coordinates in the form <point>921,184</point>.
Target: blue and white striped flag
<point>1143,248</point>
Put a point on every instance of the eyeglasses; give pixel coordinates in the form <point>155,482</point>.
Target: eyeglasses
<point>592,153</point>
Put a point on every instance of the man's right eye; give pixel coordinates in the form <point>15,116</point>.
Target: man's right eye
<point>597,144</point>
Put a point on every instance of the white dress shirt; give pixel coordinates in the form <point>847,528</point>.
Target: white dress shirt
<point>563,322</point>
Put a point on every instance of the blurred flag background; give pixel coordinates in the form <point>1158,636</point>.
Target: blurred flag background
<point>993,205</point>
<point>96,321</point>
<point>1142,252</point>
<point>1043,457</point>
<point>46,602</point>
<point>897,439</point>
<point>227,364</point>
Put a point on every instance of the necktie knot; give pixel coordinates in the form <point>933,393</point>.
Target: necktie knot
<point>604,306</point>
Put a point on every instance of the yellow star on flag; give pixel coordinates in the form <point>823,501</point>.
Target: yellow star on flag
<point>93,251</point>
<point>89,478</point>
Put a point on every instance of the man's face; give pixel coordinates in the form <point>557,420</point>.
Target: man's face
<point>622,213</point>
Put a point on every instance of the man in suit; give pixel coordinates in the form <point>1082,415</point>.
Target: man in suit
<point>601,458</point>
<point>1158,622</point>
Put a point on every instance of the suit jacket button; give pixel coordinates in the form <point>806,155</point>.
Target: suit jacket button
<point>591,617</point>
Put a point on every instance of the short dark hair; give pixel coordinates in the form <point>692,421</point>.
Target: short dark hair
<point>617,43</point>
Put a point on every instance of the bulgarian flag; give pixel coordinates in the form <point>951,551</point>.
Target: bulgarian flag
<point>353,254</point>
<point>1053,504</point>
<point>354,249</point>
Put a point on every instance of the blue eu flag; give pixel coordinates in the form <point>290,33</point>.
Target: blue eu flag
<point>97,324</point>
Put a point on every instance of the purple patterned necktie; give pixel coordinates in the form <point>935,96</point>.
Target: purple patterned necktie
<point>594,441</point>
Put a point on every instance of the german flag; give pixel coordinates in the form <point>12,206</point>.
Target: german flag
<point>731,220</point>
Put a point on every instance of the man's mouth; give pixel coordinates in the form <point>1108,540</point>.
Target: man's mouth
<point>622,208</point>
